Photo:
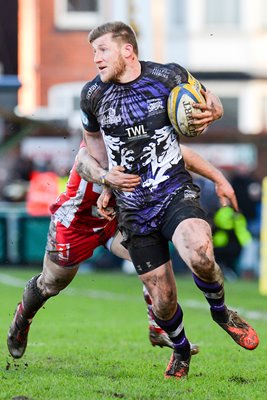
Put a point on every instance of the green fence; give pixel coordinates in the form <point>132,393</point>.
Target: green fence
<point>3,241</point>
<point>32,238</point>
<point>22,237</point>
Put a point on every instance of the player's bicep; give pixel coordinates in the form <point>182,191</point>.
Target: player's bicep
<point>96,146</point>
<point>92,139</point>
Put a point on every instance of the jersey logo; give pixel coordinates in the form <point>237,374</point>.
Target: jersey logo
<point>63,251</point>
<point>163,72</point>
<point>84,118</point>
<point>178,79</point>
<point>155,106</point>
<point>110,118</point>
<point>91,90</point>
<point>136,132</point>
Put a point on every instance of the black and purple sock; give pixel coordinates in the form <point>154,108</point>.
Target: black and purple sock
<point>175,329</point>
<point>214,293</point>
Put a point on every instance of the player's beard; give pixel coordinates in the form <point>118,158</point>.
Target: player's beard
<point>118,70</point>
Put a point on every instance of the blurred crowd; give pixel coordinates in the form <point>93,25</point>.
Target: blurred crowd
<point>24,173</point>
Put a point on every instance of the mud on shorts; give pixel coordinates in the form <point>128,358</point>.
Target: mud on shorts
<point>150,251</point>
<point>71,246</point>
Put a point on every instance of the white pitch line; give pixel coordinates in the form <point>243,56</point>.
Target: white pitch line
<point>250,314</point>
<point>10,280</point>
<point>98,294</point>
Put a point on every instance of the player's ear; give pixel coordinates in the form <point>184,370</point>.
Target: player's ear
<point>127,50</point>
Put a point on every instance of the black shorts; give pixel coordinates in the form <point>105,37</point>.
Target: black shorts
<point>150,251</point>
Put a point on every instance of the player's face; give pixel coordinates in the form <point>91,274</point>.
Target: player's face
<point>108,58</point>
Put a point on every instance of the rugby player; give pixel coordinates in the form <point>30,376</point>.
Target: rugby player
<point>122,128</point>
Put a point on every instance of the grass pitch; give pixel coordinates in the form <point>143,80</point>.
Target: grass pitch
<point>91,342</point>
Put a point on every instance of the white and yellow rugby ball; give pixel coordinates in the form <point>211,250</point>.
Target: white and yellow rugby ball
<point>180,107</point>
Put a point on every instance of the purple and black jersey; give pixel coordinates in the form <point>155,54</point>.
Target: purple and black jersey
<point>133,120</point>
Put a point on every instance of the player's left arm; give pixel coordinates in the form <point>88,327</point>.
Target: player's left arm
<point>211,110</point>
<point>224,190</point>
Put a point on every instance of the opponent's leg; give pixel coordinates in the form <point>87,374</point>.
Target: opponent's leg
<point>49,283</point>
<point>192,239</point>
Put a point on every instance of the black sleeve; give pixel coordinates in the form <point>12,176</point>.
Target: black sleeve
<point>88,118</point>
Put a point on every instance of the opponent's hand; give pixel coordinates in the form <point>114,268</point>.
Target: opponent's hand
<point>117,179</point>
<point>102,204</point>
<point>226,194</point>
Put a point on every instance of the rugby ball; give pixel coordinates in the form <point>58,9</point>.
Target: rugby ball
<point>180,107</point>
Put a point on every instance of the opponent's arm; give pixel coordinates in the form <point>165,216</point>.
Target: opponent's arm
<point>195,163</point>
<point>103,202</point>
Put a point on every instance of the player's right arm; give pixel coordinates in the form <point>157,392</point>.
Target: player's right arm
<point>92,165</point>
<point>97,166</point>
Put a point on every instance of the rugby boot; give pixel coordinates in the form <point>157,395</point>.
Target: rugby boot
<point>242,333</point>
<point>158,337</point>
<point>18,334</point>
<point>178,366</point>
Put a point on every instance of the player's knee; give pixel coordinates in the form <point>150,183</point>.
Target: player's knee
<point>54,277</point>
<point>203,263</point>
